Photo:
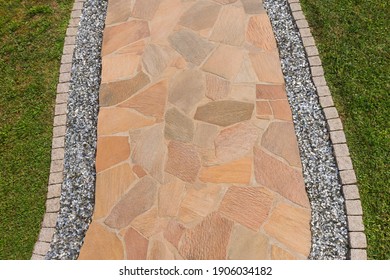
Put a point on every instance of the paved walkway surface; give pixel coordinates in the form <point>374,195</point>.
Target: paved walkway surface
<point>197,156</point>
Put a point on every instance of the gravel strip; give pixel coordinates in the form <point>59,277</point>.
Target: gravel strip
<point>329,223</point>
<point>78,187</point>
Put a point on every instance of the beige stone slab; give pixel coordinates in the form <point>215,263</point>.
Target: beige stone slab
<point>259,33</point>
<point>267,67</point>
<point>149,223</point>
<point>216,87</point>
<point>169,198</point>
<point>116,11</point>
<point>178,126</point>
<point>119,67</point>
<point>111,150</point>
<point>244,93</point>
<point>145,9</point>
<point>136,245</point>
<point>201,15</point>
<point>157,58</point>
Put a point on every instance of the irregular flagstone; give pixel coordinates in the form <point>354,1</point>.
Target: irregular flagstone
<point>151,101</point>
<point>280,177</point>
<point>114,120</point>
<point>216,87</point>
<point>188,217</point>
<point>280,139</point>
<point>253,6</point>
<point>267,67</point>
<point>246,244</point>
<point>136,201</point>
<point>203,201</point>
<point>169,198</point>
<point>259,33</point>
<point>101,244</point>
<point>243,93</point>
<point>248,206</point>
<point>263,110</point>
<point>225,1</point>
<point>191,46</point>
<point>158,250</point>
<point>225,61</point>
<point>280,254</point>
<point>208,240</point>
<point>149,223</point>
<point>246,74</point>
<point>224,113</point>
<point>145,9</point>
<point>174,232</point>
<point>135,48</point>
<point>186,89</point>
<point>230,26</point>
<point>116,92</point>
<point>236,141</point>
<point>116,13</point>
<point>201,15</point>
<point>151,159</point>
<point>110,186</point>
<point>281,109</point>
<point>238,171</point>
<point>118,36</point>
<point>157,58</point>
<point>291,226</point>
<point>271,92</point>
<point>183,161</point>
<point>205,135</point>
<point>110,151</point>
<point>178,126</point>
<point>119,66</point>
<point>136,245</point>
<point>139,171</point>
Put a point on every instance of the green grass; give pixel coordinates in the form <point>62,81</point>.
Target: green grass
<point>31,40</point>
<point>353,40</point>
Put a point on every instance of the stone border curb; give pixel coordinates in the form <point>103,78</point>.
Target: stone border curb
<point>357,237</point>
<point>59,127</point>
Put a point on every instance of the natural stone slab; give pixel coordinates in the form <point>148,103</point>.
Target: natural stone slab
<point>248,206</point>
<point>183,161</point>
<point>224,112</point>
<point>246,74</point>
<point>225,1</point>
<point>169,198</point>
<point>280,177</point>
<point>208,240</point>
<point>358,254</point>
<point>178,126</point>
<point>271,92</point>
<point>174,232</point>
<point>187,89</point>
<point>41,248</point>
<point>291,226</point>
<point>101,244</point>
<point>253,6</point>
<point>351,192</point>
<point>230,26</point>
<point>353,207</point>
<point>116,92</point>
<point>136,201</point>
<point>110,186</point>
<point>46,234</point>
<point>355,223</point>
<point>157,58</point>
<point>149,223</point>
<point>152,160</point>
<point>191,46</point>
<point>259,33</point>
<point>110,151</point>
<point>280,139</point>
<point>119,66</point>
<point>263,110</point>
<point>267,67</point>
<point>116,13</point>
<point>238,171</point>
<point>216,87</point>
<point>280,254</point>
<point>281,110</point>
<point>151,101</point>
<point>136,245</point>
<point>205,134</point>
<point>144,9</point>
<point>247,245</point>
<point>243,92</point>
<point>357,240</point>
<point>158,250</point>
<point>202,15</point>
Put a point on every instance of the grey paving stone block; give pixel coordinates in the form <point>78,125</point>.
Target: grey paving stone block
<point>64,77</point>
<point>66,58</point>
<point>59,131</point>
<point>312,51</point>
<point>305,32</point>
<point>355,223</point>
<point>46,234</point>
<point>338,137</point>
<point>59,120</point>
<point>70,40</point>
<point>341,150</point>
<point>71,31</point>
<point>62,98</point>
<point>295,7</point>
<point>77,6</point>
<point>302,23</point>
<point>357,240</point>
<point>49,220</point>
<point>354,207</point>
<point>36,257</point>
<point>41,248</point>
<point>57,153</point>
<point>335,124</point>
<point>308,41</point>
<point>326,101</point>
<point>298,15</point>
<point>351,192</point>
<point>348,177</point>
<point>317,71</point>
<point>315,61</point>
<point>55,178</point>
<point>57,166</point>
<point>344,163</point>
<point>52,205</point>
<point>60,109</point>
<point>54,191</point>
<point>58,142</point>
<point>74,22</point>
<point>319,81</point>
<point>63,88</point>
<point>358,254</point>
<point>75,14</point>
<point>331,113</point>
<point>66,68</point>
<point>293,1</point>
<point>68,49</point>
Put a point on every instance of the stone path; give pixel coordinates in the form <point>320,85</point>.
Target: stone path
<point>197,156</point>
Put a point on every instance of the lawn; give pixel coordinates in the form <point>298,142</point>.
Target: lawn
<point>31,41</point>
<point>353,40</point>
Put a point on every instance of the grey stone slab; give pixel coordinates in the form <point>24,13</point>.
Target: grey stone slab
<point>41,248</point>
<point>344,163</point>
<point>58,142</point>
<point>60,109</point>
<point>351,192</point>
<point>355,223</point>
<point>55,178</point>
<point>62,98</point>
<point>49,220</point>
<point>331,113</point>
<point>57,153</point>
<point>312,51</point>
<point>46,234</point>
<point>63,88</point>
<point>357,240</point>
<point>341,150</point>
<point>354,207</point>
<point>335,124</point>
<point>315,61</point>
<point>317,71</point>
<point>348,177</point>
<point>338,137</point>
<point>52,205</point>
<point>54,191</point>
<point>358,254</point>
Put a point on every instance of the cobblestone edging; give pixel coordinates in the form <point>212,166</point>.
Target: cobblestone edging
<point>357,237</point>
<point>59,127</point>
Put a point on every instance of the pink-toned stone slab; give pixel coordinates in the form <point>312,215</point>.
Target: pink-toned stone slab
<point>119,66</point>
<point>216,87</point>
<point>246,74</point>
<point>178,126</point>
<point>136,245</point>
<point>183,161</point>
<point>248,206</point>
<point>174,232</point>
<point>110,151</point>
<point>205,134</point>
<point>116,13</point>
<point>145,9</point>
<point>243,93</point>
<point>281,109</point>
<point>139,171</point>
<point>201,15</point>
<point>157,58</point>
<point>158,250</point>
<point>253,6</point>
<point>225,1</point>
<point>291,226</point>
<point>259,33</point>
<point>208,240</point>
<point>267,67</point>
<point>169,198</point>
<point>263,110</point>
<point>151,101</point>
<point>149,223</point>
<point>280,177</point>
<point>136,201</point>
<point>271,92</point>
<point>101,244</point>
<point>280,254</point>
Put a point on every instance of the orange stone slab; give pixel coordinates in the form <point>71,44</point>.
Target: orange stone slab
<point>136,245</point>
<point>110,151</point>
